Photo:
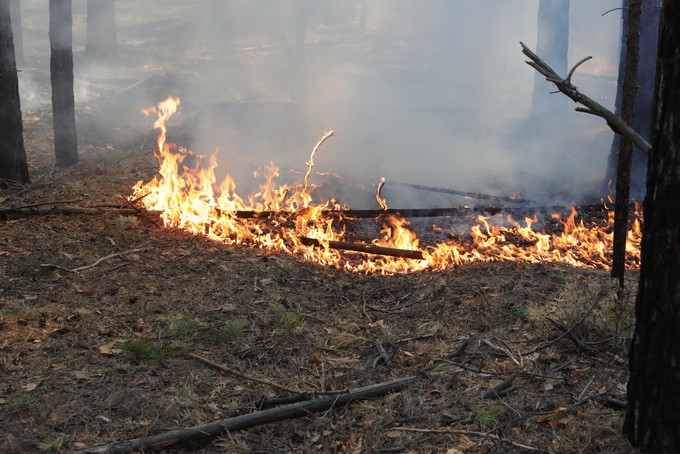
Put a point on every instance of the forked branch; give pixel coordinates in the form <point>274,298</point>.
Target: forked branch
<point>590,106</point>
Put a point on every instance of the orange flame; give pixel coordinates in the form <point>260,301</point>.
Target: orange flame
<point>187,196</point>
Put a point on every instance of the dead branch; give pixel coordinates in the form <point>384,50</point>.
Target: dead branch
<point>469,195</point>
<point>83,268</point>
<point>30,210</point>
<point>504,387</point>
<point>470,433</point>
<point>204,432</point>
<point>408,213</point>
<point>230,371</point>
<point>365,248</point>
<point>592,107</point>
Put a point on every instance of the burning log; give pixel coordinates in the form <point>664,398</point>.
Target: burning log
<point>365,248</point>
<point>408,213</point>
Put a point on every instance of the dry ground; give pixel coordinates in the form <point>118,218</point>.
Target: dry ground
<point>100,355</point>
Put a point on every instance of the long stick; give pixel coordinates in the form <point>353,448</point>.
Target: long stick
<point>471,195</point>
<point>407,213</point>
<point>366,248</point>
<point>205,432</point>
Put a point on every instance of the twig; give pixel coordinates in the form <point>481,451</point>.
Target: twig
<point>503,387</point>
<point>565,86</point>
<point>471,195</point>
<point>211,430</point>
<point>471,433</point>
<point>579,343</point>
<point>41,204</point>
<point>365,248</point>
<point>28,210</point>
<point>83,268</point>
<point>230,371</point>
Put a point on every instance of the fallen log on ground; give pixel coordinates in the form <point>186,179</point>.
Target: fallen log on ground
<point>365,248</point>
<point>204,432</point>
<point>407,213</point>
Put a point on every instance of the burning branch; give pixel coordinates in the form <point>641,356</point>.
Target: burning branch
<point>591,107</point>
<point>310,164</point>
<point>381,200</point>
<point>366,248</point>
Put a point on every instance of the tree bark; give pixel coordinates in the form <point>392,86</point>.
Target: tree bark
<point>13,165</point>
<point>102,38</point>
<point>61,75</point>
<point>623,167</point>
<point>652,419</point>
<point>15,13</point>
<point>646,74</point>
<point>552,43</point>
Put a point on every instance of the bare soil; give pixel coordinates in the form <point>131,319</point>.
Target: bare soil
<point>100,355</point>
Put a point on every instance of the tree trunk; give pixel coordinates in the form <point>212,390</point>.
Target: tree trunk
<point>15,12</point>
<point>652,419</point>
<point>632,32</point>
<point>102,39</point>
<point>646,74</point>
<point>552,45</point>
<point>13,165</point>
<point>61,75</point>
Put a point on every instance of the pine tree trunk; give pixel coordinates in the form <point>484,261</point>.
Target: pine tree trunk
<point>552,44</point>
<point>102,38</point>
<point>61,75</point>
<point>13,165</point>
<point>15,12</point>
<point>652,419</point>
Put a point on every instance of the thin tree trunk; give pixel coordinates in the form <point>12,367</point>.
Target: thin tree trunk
<point>102,38</point>
<point>15,12</point>
<point>652,420</point>
<point>626,147</point>
<point>61,75</point>
<point>13,165</point>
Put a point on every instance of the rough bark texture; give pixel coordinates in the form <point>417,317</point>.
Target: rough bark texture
<point>652,420</point>
<point>61,75</point>
<point>12,154</point>
<point>646,74</point>
<point>102,38</point>
<point>15,12</point>
<point>552,44</point>
<point>623,167</point>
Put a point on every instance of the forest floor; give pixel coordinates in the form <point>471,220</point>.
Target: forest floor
<point>102,354</point>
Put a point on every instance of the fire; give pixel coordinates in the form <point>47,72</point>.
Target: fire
<point>187,195</point>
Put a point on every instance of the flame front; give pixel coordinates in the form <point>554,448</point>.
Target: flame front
<point>187,197</point>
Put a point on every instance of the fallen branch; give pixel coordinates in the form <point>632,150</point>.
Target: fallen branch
<point>365,248</point>
<point>242,375</point>
<point>30,210</point>
<point>591,107</point>
<point>408,213</point>
<point>211,430</point>
<point>83,268</point>
<point>469,195</point>
<point>470,433</point>
<point>504,387</point>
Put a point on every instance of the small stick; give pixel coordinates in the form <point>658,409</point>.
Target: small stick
<point>366,248</point>
<point>83,268</point>
<point>226,369</point>
<point>41,204</point>
<point>469,432</point>
<point>503,387</point>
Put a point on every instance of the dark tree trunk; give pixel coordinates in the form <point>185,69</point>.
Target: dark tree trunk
<point>629,90</point>
<point>646,72</point>
<point>13,165</point>
<point>15,12</point>
<point>652,419</point>
<point>61,75</point>
<point>102,38</point>
<point>552,45</point>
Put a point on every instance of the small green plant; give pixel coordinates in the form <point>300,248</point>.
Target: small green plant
<point>487,419</point>
<point>23,403</point>
<point>145,351</point>
<point>285,320</point>
<point>231,333</point>
<point>52,445</point>
<point>185,329</point>
<point>521,312</point>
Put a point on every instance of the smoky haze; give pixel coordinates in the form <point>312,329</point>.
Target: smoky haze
<point>432,92</point>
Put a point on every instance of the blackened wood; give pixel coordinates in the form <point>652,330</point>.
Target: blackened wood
<point>13,164</point>
<point>61,75</point>
<point>211,430</point>
<point>15,13</point>
<point>407,213</point>
<point>652,421</point>
<point>626,147</point>
<point>366,248</point>
<point>471,195</point>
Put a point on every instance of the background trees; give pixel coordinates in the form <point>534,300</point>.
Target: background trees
<point>652,419</point>
<point>61,76</point>
<point>12,154</point>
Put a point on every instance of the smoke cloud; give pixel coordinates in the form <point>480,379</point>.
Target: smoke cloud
<point>432,92</point>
